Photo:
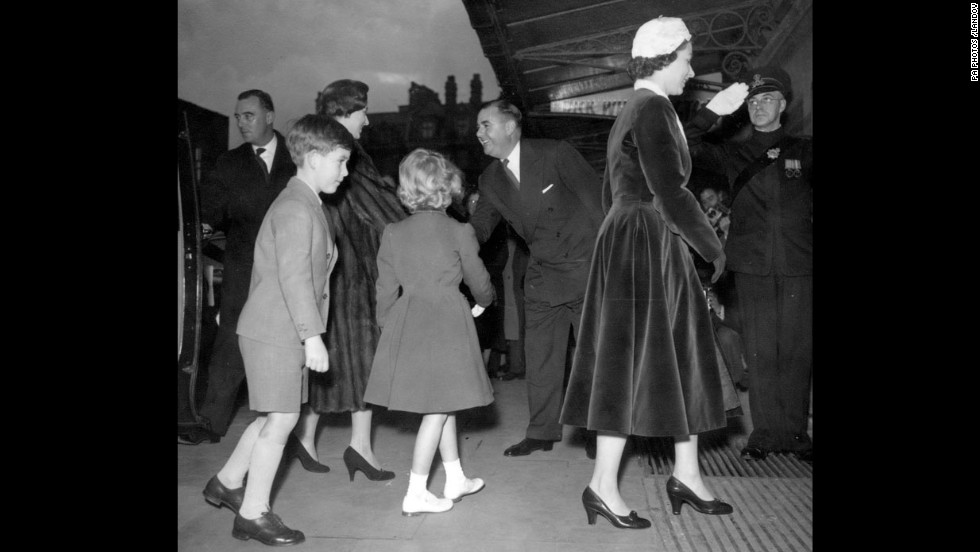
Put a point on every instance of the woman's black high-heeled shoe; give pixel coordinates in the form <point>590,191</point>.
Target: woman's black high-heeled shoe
<point>594,505</point>
<point>309,463</point>
<point>679,493</point>
<point>355,461</point>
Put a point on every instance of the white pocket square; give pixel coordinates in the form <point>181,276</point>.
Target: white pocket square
<point>550,186</point>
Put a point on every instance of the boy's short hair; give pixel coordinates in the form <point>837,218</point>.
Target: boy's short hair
<point>426,179</point>
<point>316,133</point>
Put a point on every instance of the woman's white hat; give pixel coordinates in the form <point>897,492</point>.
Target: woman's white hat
<point>659,36</point>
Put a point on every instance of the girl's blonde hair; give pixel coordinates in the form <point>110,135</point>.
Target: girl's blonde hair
<point>426,179</point>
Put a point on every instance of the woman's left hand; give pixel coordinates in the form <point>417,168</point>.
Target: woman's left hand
<point>719,267</point>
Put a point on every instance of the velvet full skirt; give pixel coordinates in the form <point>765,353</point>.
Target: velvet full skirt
<point>645,363</point>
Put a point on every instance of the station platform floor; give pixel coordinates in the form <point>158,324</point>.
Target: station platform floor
<point>530,503</point>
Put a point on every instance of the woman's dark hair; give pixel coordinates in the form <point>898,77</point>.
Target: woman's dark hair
<point>341,98</point>
<point>642,67</point>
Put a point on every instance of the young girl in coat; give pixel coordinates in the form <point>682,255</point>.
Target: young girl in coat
<point>428,358</point>
<point>280,325</point>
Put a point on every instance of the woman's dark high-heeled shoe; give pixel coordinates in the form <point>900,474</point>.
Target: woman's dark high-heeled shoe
<point>309,463</point>
<point>594,505</point>
<point>679,493</point>
<point>355,461</point>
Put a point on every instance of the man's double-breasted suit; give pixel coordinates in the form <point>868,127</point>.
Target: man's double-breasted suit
<point>557,211</point>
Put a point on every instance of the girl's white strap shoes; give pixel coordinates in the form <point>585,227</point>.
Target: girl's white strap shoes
<point>425,503</point>
<point>455,490</point>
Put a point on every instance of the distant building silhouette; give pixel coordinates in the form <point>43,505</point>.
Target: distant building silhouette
<point>449,128</point>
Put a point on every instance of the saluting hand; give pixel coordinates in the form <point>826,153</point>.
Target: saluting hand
<point>729,99</point>
<point>317,358</point>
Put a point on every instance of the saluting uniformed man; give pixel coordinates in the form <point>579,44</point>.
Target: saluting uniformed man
<point>770,252</point>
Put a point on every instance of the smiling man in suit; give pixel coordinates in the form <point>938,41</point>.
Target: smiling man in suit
<point>235,198</point>
<point>550,195</point>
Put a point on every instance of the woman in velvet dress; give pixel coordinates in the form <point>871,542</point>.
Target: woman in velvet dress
<point>358,214</point>
<point>645,360</point>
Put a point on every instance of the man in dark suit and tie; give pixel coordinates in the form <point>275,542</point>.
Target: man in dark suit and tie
<point>235,199</point>
<point>550,195</point>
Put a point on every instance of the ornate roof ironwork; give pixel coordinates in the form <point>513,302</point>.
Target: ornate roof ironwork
<point>739,32</point>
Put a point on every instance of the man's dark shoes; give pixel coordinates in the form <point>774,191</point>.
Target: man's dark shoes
<point>527,446</point>
<point>217,494</point>
<point>802,447</point>
<point>509,376</point>
<point>267,529</point>
<point>197,435</point>
<point>754,453</point>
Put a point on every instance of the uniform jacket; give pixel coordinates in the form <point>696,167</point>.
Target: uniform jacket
<point>772,214</point>
<point>557,211</point>
<point>234,199</point>
<point>288,299</point>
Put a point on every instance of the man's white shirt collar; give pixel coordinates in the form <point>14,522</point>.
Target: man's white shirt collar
<point>514,161</point>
